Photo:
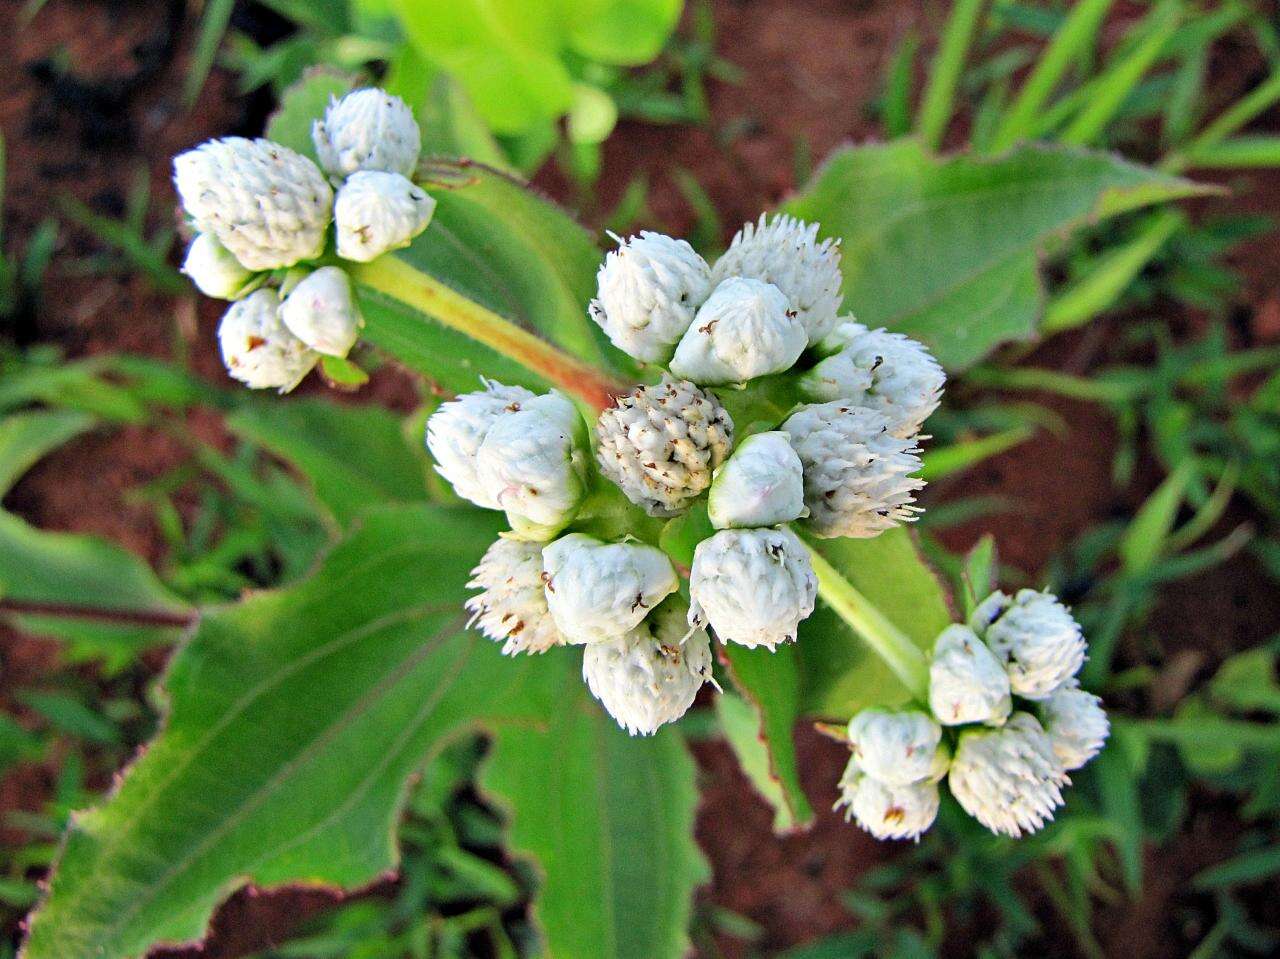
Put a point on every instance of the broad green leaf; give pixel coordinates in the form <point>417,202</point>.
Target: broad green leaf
<point>946,249</point>
<point>27,437</point>
<point>354,457</point>
<point>741,723</point>
<point>624,32</point>
<point>294,720</point>
<point>841,675</point>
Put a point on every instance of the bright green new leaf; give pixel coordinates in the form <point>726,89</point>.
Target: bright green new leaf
<point>624,32</point>
<point>946,249</point>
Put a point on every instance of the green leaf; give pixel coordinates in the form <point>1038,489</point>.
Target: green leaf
<point>301,105</point>
<point>623,32</point>
<point>841,675</point>
<point>25,438</point>
<point>354,457</point>
<point>294,720</point>
<point>1144,539</point>
<point>936,108</point>
<point>498,243</point>
<point>945,249</point>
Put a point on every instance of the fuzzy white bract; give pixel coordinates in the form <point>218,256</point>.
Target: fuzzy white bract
<point>377,212</point>
<point>967,682</point>
<point>598,591</point>
<point>214,269</point>
<point>367,129</point>
<point>1076,723</point>
<point>752,586</point>
<point>746,329</point>
<point>786,252</point>
<point>885,810</point>
<point>1035,636</point>
<point>533,463</point>
<point>661,443</point>
<point>762,484</point>
<point>898,748</point>
<point>857,474</point>
<point>1009,779</point>
<point>321,311</point>
<point>511,606</point>
<point>268,205</point>
<point>884,371</point>
<point>456,430</point>
<point>650,676</point>
<point>648,291</point>
<point>257,348</point>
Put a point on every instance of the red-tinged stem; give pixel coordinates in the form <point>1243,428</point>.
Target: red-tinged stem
<point>160,618</point>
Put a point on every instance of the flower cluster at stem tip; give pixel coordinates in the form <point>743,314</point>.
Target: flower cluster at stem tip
<point>263,215</point>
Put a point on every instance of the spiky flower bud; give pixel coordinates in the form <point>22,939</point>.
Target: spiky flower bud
<point>321,311</point>
<point>512,607</point>
<point>257,349</point>
<point>377,212</point>
<point>213,269</point>
<point>266,204</point>
<point>898,748</point>
<point>533,463</point>
<point>857,474</point>
<point>367,129</point>
<point>1036,638</point>
<point>752,586</point>
<point>967,683</point>
<point>885,810</point>
<point>1008,778</point>
<point>785,251</point>
<point>599,591</point>
<point>456,430</point>
<point>648,292</point>
<point>1076,724</point>
<point>885,371</point>
<point>744,330</point>
<point>660,444</point>
<point>762,484</point>
<point>651,675</point>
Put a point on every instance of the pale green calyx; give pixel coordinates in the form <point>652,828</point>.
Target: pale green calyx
<point>599,591</point>
<point>214,269</point>
<point>967,683</point>
<point>762,484</point>
<point>367,129</point>
<point>745,329</point>
<point>376,212</point>
<point>321,311</point>
<point>256,347</point>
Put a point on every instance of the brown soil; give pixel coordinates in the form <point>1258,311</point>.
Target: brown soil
<point>811,67</point>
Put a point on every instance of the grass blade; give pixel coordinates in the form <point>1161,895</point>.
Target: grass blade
<point>1227,123</point>
<point>1238,152</point>
<point>213,27</point>
<point>944,76</point>
<point>896,105</point>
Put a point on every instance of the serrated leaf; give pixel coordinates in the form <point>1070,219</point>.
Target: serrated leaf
<point>945,249</point>
<point>294,721</point>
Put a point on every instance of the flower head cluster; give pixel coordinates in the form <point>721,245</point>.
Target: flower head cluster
<point>890,785</point>
<point>263,215</point>
<point>1004,688</point>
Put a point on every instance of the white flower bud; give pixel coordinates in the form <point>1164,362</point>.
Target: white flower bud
<point>456,430</point>
<point>752,586</point>
<point>887,811</point>
<point>898,748</point>
<point>378,212</point>
<point>1009,778</point>
<point>1076,724</point>
<point>598,591</point>
<point>857,474</point>
<point>533,464</point>
<point>321,312</point>
<point>785,251</point>
<point>967,683</point>
<point>762,484</point>
<point>213,269</point>
<point>512,607</point>
<point>266,204</point>
<point>257,349</point>
<point>1036,638</point>
<point>648,292</point>
<point>651,675</point>
<point>660,444</point>
<point>884,371</point>
<point>744,330</point>
<point>367,129</point>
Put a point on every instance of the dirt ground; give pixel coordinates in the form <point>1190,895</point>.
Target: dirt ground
<point>811,69</point>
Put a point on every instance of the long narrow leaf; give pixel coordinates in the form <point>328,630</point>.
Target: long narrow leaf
<point>936,108</point>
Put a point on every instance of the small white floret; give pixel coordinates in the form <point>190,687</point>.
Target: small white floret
<point>898,748</point>
<point>378,212</point>
<point>511,606</point>
<point>746,329</point>
<point>884,810</point>
<point>456,430</point>
<point>967,682</point>
<point>367,129</point>
<point>257,348</point>
<point>1076,723</point>
<point>321,311</point>
<point>762,484</point>
<point>1035,636</point>
<point>214,269</point>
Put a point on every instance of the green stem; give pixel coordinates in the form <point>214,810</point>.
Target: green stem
<point>393,277</point>
<point>892,645</point>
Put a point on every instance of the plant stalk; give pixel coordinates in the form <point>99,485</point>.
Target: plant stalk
<point>393,277</point>
<point>125,617</point>
<point>892,645</point>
